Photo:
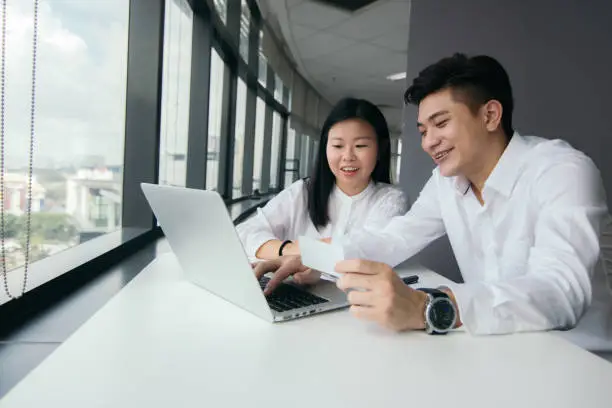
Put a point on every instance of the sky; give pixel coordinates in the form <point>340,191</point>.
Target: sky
<point>81,80</point>
<point>81,77</point>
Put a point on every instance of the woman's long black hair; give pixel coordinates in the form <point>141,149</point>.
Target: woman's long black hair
<point>322,179</point>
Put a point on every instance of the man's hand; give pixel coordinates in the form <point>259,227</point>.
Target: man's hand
<point>284,267</point>
<point>379,295</point>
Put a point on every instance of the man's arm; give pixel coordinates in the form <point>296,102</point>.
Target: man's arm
<point>556,290</point>
<point>402,236</point>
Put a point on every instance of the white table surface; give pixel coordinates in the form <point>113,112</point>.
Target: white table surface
<point>163,342</point>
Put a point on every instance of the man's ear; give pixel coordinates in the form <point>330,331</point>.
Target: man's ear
<point>493,111</point>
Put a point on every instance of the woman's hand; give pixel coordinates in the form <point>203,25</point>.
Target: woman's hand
<point>308,277</point>
<point>284,267</point>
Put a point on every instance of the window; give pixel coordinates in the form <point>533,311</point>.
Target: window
<point>260,119</point>
<point>291,169</point>
<point>287,97</point>
<point>239,138</point>
<point>245,21</point>
<point>263,62</point>
<point>78,163</point>
<point>304,155</point>
<point>314,148</point>
<point>175,93</point>
<point>276,142</point>
<point>396,160</point>
<point>82,67</point>
<point>278,88</point>
<point>221,7</point>
<point>217,71</point>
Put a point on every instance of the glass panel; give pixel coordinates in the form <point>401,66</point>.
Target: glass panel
<point>260,119</point>
<point>304,155</point>
<point>263,62</point>
<point>175,93</point>
<point>245,21</point>
<point>79,124</point>
<point>217,71</point>
<point>287,95</point>
<point>314,148</point>
<point>398,164</point>
<point>276,139</point>
<point>221,7</point>
<point>290,160</point>
<point>239,138</point>
<point>278,88</point>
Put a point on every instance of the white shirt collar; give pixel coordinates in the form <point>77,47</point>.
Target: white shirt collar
<point>341,195</point>
<point>505,173</point>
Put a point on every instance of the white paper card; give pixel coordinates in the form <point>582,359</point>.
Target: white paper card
<point>320,255</point>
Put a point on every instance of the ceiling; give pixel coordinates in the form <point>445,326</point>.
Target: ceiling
<point>343,53</point>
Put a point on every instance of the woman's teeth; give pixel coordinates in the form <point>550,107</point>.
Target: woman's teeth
<point>349,171</point>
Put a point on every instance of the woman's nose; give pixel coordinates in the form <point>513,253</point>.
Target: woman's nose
<point>349,154</point>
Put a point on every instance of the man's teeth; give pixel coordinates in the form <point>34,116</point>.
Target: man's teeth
<point>442,154</point>
<point>349,169</point>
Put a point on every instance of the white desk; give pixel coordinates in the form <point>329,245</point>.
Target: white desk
<point>162,342</point>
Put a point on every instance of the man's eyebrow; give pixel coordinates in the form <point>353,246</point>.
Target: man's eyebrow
<point>433,116</point>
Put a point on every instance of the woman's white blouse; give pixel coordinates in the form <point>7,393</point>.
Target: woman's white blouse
<point>286,215</point>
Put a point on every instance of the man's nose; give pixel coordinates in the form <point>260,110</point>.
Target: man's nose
<point>429,142</point>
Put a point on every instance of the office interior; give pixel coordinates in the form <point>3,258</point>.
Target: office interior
<point>230,96</point>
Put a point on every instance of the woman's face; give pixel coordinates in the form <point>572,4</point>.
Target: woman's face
<point>352,152</point>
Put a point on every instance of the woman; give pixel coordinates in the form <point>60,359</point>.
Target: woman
<point>349,188</point>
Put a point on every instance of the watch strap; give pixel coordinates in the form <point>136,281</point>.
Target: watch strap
<point>436,293</point>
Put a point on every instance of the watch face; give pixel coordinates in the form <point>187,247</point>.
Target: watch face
<point>442,314</point>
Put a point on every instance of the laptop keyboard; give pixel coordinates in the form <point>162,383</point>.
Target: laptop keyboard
<point>287,297</point>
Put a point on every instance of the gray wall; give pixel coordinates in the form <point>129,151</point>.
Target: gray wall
<point>558,54</point>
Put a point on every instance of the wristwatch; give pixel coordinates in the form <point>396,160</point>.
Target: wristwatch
<point>440,312</point>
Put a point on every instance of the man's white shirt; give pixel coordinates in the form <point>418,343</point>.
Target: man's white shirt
<point>529,257</point>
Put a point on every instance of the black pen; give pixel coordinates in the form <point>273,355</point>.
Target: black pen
<point>409,280</point>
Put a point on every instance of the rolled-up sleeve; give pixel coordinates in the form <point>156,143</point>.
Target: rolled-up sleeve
<point>556,289</point>
<point>271,221</point>
<point>399,237</point>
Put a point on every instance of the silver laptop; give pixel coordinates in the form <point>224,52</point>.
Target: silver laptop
<point>203,238</point>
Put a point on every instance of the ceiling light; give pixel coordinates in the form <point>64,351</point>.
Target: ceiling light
<point>397,77</point>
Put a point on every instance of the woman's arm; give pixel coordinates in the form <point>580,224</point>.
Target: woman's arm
<point>264,232</point>
<point>270,249</point>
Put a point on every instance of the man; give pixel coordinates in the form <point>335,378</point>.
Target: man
<point>523,214</point>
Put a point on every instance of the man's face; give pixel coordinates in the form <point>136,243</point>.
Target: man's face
<point>452,134</point>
